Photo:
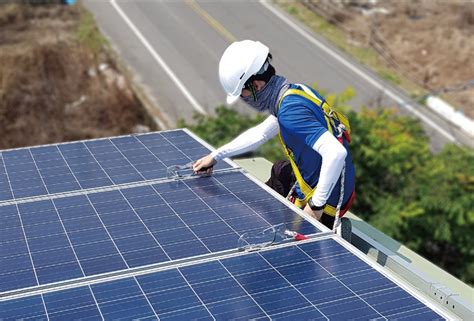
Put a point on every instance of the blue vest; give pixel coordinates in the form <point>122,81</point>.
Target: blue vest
<point>301,123</point>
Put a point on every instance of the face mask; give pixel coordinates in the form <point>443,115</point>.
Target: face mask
<point>267,97</point>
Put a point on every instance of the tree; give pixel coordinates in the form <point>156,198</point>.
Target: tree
<point>388,150</point>
<point>445,197</point>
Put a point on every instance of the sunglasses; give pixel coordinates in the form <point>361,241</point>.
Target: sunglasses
<point>248,84</point>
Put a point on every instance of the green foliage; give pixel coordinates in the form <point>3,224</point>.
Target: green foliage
<point>387,149</point>
<point>390,76</point>
<point>338,101</point>
<point>220,129</point>
<point>445,193</point>
<point>292,10</point>
<point>88,34</point>
<point>423,200</point>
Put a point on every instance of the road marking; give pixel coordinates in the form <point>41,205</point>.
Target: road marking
<point>160,60</point>
<point>357,71</point>
<point>211,21</point>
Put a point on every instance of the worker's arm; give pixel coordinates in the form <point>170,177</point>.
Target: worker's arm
<point>333,156</point>
<point>248,141</point>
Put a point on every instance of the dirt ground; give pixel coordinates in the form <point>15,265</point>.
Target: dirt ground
<point>57,83</point>
<point>430,41</point>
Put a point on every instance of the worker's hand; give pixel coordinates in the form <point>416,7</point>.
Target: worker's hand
<point>204,165</point>
<point>316,214</point>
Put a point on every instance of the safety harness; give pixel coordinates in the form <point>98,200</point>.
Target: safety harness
<point>336,121</point>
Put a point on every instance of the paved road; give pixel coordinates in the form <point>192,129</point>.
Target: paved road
<point>174,48</point>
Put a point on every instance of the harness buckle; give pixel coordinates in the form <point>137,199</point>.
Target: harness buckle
<point>341,129</point>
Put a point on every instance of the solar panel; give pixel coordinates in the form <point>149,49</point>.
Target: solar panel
<point>92,233</point>
<point>95,229</point>
<point>52,169</point>
<point>317,280</point>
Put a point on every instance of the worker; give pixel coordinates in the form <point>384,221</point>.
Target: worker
<point>315,139</point>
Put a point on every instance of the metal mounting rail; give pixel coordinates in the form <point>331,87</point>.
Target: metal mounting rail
<point>147,269</point>
<point>111,188</point>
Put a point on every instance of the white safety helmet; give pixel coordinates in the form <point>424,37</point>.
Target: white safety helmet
<point>240,61</point>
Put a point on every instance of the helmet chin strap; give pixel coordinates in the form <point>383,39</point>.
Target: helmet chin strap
<point>253,90</point>
<point>266,73</point>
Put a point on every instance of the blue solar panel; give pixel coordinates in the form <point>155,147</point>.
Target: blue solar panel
<point>319,280</point>
<point>5,190</point>
<point>31,172</point>
<point>47,236</point>
<point>71,237</point>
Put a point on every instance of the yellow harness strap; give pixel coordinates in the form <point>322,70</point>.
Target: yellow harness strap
<point>305,187</point>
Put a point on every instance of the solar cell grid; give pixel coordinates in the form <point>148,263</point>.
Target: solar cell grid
<point>287,283</point>
<point>52,169</point>
<point>72,237</point>
<point>5,190</point>
<point>99,232</point>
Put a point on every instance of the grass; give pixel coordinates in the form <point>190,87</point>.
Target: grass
<point>364,55</point>
<point>88,34</point>
<point>390,76</point>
